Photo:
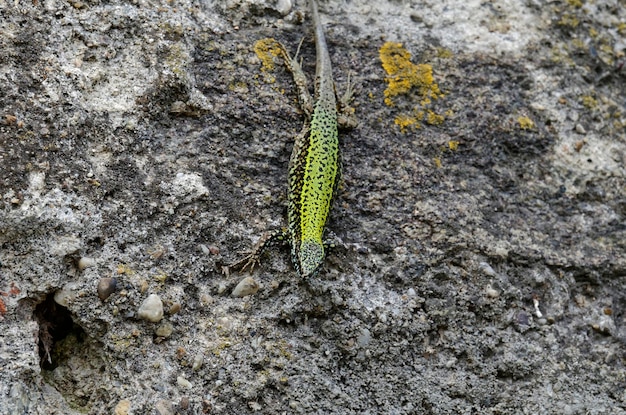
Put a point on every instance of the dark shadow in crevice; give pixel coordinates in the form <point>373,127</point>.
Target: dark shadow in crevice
<point>55,324</point>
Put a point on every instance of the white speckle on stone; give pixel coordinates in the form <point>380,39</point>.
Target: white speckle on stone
<point>151,309</point>
<point>486,269</point>
<point>246,286</point>
<point>364,338</point>
<point>65,295</point>
<point>183,383</point>
<point>199,100</point>
<point>64,245</point>
<point>221,288</point>
<point>492,292</point>
<point>86,262</point>
<point>198,359</point>
<point>284,7</point>
<point>537,311</point>
<point>184,188</point>
<point>164,407</point>
<point>37,182</point>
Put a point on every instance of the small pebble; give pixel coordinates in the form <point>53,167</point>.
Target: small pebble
<point>206,300</point>
<point>246,286</point>
<point>122,407</point>
<point>197,362</point>
<point>86,262</point>
<point>184,403</point>
<point>183,383</point>
<point>364,338</point>
<point>106,287</point>
<point>492,292</point>
<point>64,296</point>
<point>221,288</point>
<point>486,269</point>
<point>164,407</point>
<point>175,308</point>
<point>522,318</point>
<point>284,7</point>
<point>580,129</point>
<point>165,330</point>
<point>151,309</point>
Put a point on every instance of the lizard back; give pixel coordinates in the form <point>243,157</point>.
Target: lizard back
<point>314,166</point>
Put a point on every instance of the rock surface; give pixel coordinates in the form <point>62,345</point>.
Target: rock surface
<point>483,254</point>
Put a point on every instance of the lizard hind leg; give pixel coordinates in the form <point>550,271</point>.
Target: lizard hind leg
<point>253,257</point>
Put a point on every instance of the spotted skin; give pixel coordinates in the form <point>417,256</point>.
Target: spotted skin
<point>313,167</point>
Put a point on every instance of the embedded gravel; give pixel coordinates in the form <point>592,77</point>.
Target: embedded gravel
<point>479,264</point>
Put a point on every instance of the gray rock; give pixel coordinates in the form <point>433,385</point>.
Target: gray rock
<point>130,125</point>
<point>247,286</point>
<point>151,309</point>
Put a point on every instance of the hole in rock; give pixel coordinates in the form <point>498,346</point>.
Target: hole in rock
<point>55,324</point>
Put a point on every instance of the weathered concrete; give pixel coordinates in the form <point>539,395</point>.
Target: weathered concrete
<point>481,261</point>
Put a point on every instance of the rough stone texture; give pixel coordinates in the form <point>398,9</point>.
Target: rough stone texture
<point>141,133</point>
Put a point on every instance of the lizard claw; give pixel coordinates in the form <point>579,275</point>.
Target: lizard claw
<point>249,261</point>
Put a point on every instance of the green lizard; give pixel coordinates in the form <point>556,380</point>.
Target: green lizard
<point>314,166</point>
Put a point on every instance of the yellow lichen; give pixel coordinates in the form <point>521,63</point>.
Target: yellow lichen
<point>444,53</point>
<point>569,21</point>
<point>576,3</point>
<point>403,75</point>
<point>124,269</point>
<point>608,49</point>
<point>579,44</point>
<point>434,119</point>
<point>217,350</point>
<point>160,278</point>
<point>621,28</point>
<point>453,145</point>
<point>405,122</point>
<point>525,123</point>
<point>589,101</point>
<point>438,163</point>
<point>266,50</point>
<point>239,87</point>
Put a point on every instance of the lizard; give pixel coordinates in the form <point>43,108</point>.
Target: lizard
<point>314,165</point>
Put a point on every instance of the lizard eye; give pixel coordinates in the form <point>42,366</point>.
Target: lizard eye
<point>311,257</point>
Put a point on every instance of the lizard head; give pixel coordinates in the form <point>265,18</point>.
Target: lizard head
<point>311,257</point>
